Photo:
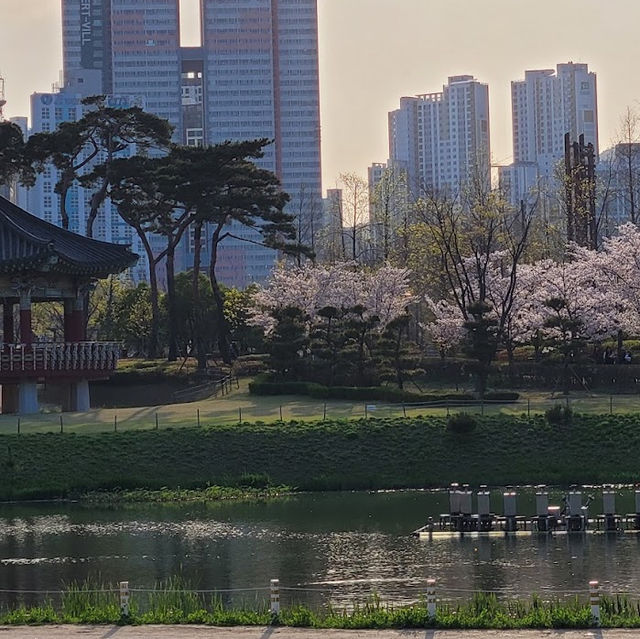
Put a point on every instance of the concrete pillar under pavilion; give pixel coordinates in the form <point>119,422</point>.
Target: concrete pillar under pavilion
<point>27,388</point>
<point>77,395</point>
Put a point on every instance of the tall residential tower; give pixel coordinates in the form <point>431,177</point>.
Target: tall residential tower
<point>442,139</point>
<point>546,105</point>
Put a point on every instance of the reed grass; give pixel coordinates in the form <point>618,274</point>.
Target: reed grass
<point>174,602</point>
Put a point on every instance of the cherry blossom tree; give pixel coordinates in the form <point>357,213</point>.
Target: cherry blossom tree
<point>383,293</point>
<point>447,328</point>
<point>616,269</point>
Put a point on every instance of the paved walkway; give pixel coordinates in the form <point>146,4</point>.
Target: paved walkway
<point>207,632</point>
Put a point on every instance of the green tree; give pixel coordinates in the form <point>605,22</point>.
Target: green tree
<point>218,185</point>
<point>145,192</point>
<point>399,357</point>
<point>133,319</point>
<point>196,331</point>
<point>114,131</point>
<point>288,343</point>
<point>70,148</point>
<point>238,303</point>
<point>14,161</point>
<point>103,132</point>
<point>357,352</point>
<point>327,342</point>
<point>569,334</point>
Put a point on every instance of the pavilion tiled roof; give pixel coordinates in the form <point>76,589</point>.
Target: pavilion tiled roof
<point>29,244</point>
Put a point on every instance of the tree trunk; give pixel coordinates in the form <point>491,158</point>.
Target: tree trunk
<point>197,253</point>
<point>153,287</point>
<point>171,302</point>
<point>620,345</point>
<point>64,216</point>
<point>223,328</point>
<point>201,353</point>
<point>353,243</point>
<point>95,203</point>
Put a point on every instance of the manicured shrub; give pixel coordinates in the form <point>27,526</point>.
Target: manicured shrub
<point>559,415</point>
<point>249,365</point>
<point>502,396</point>
<point>266,385</point>
<point>461,423</point>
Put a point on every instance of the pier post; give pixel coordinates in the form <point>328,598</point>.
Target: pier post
<point>609,510</point>
<point>594,601</point>
<point>510,512</point>
<point>484,509</point>
<point>576,520</point>
<point>431,598</point>
<point>124,598</point>
<point>275,596</point>
<point>454,506</point>
<point>542,509</point>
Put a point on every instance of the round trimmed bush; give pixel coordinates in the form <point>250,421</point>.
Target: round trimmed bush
<point>461,423</point>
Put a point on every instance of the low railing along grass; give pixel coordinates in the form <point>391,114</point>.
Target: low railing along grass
<point>173,602</point>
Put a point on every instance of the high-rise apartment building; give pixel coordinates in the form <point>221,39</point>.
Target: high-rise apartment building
<point>128,47</point>
<point>442,139</point>
<point>546,105</point>
<point>254,76</point>
<point>262,80</point>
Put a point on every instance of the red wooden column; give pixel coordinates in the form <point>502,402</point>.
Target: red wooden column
<point>78,319</point>
<point>69,332</point>
<point>26,334</point>
<point>74,324</point>
<point>8,328</point>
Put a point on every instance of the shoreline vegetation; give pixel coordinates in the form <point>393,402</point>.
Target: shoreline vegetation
<point>170,604</point>
<point>180,495</point>
<point>259,460</point>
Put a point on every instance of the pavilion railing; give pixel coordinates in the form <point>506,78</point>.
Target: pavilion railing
<point>51,356</point>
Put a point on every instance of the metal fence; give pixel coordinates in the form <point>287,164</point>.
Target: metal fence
<point>109,420</point>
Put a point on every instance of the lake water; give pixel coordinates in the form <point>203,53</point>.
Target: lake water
<point>331,547</point>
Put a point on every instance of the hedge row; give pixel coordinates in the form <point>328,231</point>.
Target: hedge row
<point>262,385</point>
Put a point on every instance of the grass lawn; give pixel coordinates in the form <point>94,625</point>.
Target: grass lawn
<point>240,404</point>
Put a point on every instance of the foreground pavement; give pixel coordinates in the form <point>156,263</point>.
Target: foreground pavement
<point>206,632</point>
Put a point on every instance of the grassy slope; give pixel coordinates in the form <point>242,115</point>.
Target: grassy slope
<point>364,454</point>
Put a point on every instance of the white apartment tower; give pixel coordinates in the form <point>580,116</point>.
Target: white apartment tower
<point>442,139</point>
<point>546,105</point>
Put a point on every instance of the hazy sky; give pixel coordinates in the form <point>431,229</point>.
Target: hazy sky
<point>372,52</point>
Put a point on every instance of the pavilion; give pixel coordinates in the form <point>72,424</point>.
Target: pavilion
<point>40,262</point>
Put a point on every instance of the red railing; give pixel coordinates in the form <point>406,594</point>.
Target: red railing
<point>42,357</point>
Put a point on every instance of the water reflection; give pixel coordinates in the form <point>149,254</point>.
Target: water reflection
<point>341,546</point>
